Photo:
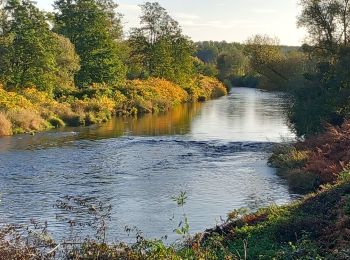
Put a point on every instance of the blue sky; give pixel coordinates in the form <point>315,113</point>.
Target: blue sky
<point>230,20</point>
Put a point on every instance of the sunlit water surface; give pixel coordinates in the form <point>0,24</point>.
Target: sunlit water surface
<point>215,151</point>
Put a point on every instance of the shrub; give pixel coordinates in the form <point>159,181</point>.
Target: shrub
<point>151,95</point>
<point>5,125</point>
<point>204,88</point>
<point>25,121</point>
<point>56,122</point>
<point>322,156</point>
<point>288,157</point>
<point>329,152</point>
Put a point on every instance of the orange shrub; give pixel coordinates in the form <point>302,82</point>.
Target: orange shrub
<point>5,125</point>
<point>25,120</point>
<point>329,152</point>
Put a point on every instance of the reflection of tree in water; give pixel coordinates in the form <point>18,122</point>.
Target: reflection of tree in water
<point>174,122</point>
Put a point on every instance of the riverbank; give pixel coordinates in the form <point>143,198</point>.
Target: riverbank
<point>316,161</point>
<point>316,227</point>
<point>30,110</point>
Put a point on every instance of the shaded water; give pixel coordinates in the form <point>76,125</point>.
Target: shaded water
<point>216,151</point>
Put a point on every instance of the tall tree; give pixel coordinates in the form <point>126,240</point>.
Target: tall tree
<point>29,58</point>
<point>91,25</point>
<point>266,58</point>
<point>327,21</point>
<point>159,45</point>
<point>323,97</point>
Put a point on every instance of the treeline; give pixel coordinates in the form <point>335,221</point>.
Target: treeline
<point>236,65</point>
<point>77,58</point>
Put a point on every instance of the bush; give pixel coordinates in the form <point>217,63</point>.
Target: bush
<point>152,95</point>
<point>288,157</point>
<point>56,122</point>
<point>33,110</point>
<point>25,121</point>
<point>205,88</point>
<point>5,126</point>
<point>320,159</point>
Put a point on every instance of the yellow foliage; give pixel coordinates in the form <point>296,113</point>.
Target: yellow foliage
<point>34,110</point>
<point>204,88</point>
<point>12,100</point>
<point>154,95</point>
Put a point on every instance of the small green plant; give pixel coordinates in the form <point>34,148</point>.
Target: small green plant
<point>303,249</point>
<point>344,176</point>
<point>183,227</point>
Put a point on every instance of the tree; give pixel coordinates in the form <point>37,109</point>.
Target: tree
<point>327,21</point>
<point>26,40</point>
<point>266,59</point>
<point>207,52</point>
<point>31,54</point>
<point>115,27</point>
<point>232,64</point>
<point>159,47</point>
<point>92,27</point>
<point>3,18</point>
<point>323,96</point>
<point>68,63</point>
<point>225,65</point>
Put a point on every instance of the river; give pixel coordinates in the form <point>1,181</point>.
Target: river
<point>216,151</point>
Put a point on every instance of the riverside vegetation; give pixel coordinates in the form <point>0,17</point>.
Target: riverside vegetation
<point>73,67</point>
<point>316,80</point>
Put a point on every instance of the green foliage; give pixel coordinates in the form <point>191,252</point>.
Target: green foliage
<point>91,27</point>
<point>225,60</point>
<point>158,48</point>
<point>183,227</point>
<point>29,59</point>
<point>33,56</point>
<point>68,63</point>
<point>303,249</point>
<point>200,67</point>
<point>288,157</point>
<point>323,97</point>
<point>326,21</point>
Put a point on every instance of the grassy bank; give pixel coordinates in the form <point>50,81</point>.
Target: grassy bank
<point>30,110</point>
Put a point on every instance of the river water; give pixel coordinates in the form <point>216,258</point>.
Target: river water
<point>215,151</point>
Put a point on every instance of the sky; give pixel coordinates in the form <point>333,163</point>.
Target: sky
<point>218,20</point>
